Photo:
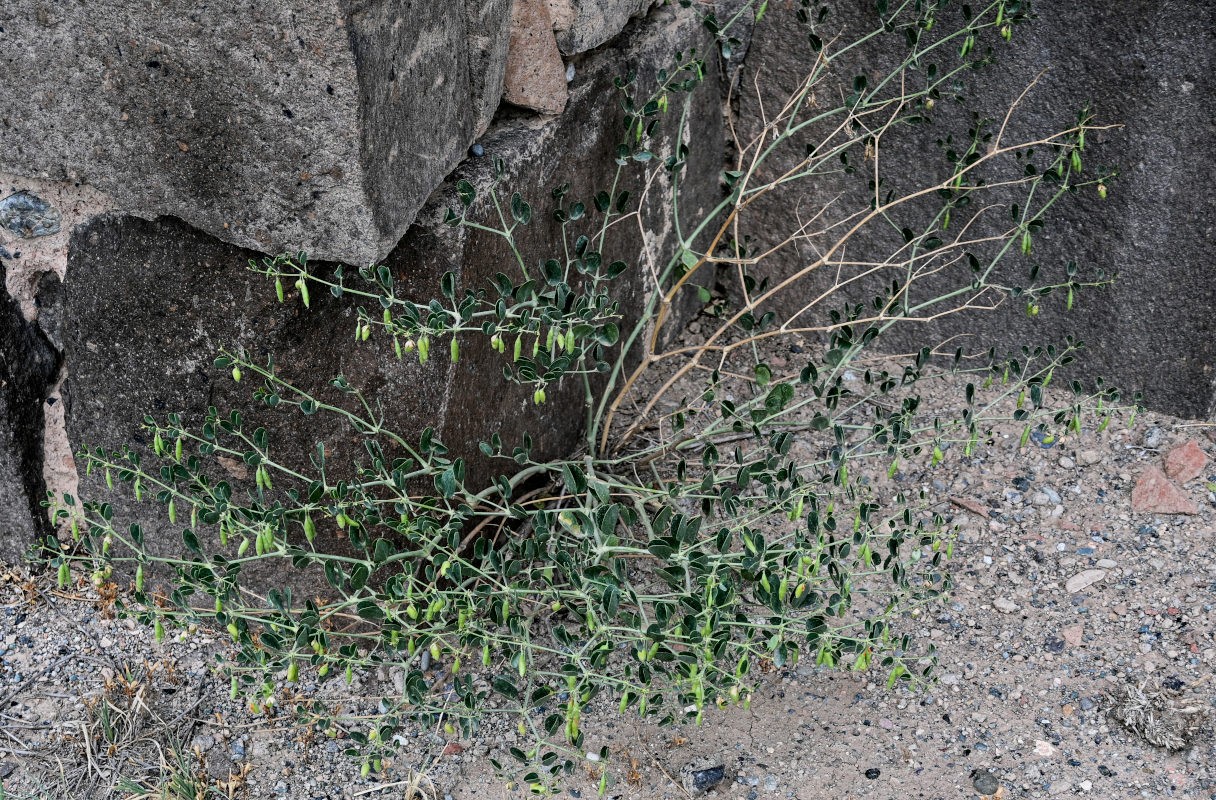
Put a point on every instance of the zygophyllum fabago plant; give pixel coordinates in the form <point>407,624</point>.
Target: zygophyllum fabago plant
<point>720,514</point>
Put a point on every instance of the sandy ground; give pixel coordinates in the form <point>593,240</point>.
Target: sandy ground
<point>1065,596</point>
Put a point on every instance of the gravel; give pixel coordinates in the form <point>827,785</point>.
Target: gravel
<point>1059,607</point>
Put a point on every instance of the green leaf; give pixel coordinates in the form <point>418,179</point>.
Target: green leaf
<point>445,482</point>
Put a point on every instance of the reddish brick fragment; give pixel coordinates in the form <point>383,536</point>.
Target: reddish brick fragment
<point>1156,494</point>
<point>1185,462</point>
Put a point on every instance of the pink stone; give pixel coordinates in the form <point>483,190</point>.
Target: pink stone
<point>1185,462</point>
<point>453,749</point>
<point>1155,494</point>
<point>535,76</point>
<point>1073,635</point>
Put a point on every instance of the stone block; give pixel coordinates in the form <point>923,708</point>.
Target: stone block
<point>323,127</point>
<point>583,25</point>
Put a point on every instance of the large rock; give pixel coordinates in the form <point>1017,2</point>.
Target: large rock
<point>28,365</point>
<point>1149,332</point>
<point>324,126</point>
<point>146,304</point>
<point>586,24</point>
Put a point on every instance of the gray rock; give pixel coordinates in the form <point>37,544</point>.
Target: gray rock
<point>985,782</point>
<point>1137,75</point>
<point>324,127</point>
<point>582,25</point>
<point>700,776</point>
<point>28,366</point>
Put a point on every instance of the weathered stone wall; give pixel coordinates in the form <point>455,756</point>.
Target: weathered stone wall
<point>146,154</point>
<point>321,126</point>
<point>1146,66</point>
<point>135,302</point>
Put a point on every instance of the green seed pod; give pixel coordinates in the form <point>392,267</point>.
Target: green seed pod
<point>219,605</point>
<point>303,287</point>
<point>75,531</point>
<point>1102,190</point>
<point>350,674</point>
<point>397,347</point>
<point>109,480</point>
<point>236,374</point>
<point>293,672</point>
<point>177,449</point>
<point>424,348</point>
<point>65,575</point>
<point>310,529</point>
<point>240,551</point>
<point>455,350</point>
<point>278,288</point>
<point>570,340</point>
<point>485,655</point>
<point>388,317</point>
<point>158,444</point>
<point>519,342</point>
<point>323,671</point>
<point>549,341</point>
<point>538,396</point>
<point>234,631</point>
<point>434,651</point>
<point>365,332</point>
<point>234,690</point>
<point>159,631</point>
<point>139,578</point>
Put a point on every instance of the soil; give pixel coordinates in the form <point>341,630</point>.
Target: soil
<point>1065,597</point>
